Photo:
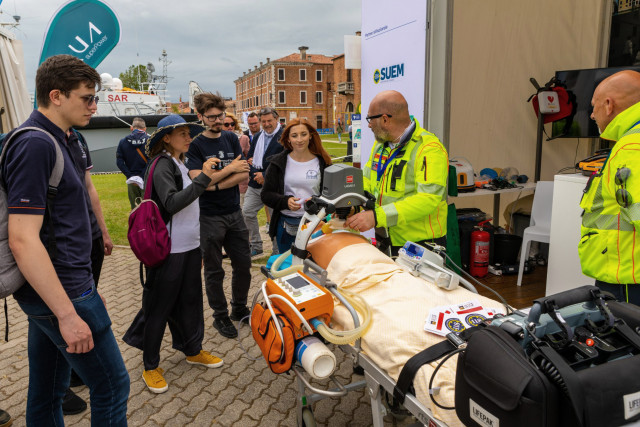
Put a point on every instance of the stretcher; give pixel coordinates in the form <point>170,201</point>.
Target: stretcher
<point>376,381</point>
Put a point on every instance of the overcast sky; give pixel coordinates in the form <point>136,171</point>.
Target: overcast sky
<point>208,41</point>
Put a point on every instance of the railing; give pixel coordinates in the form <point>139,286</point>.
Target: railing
<point>345,88</point>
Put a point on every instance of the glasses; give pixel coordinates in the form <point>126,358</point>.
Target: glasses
<point>377,116</point>
<point>623,197</point>
<point>622,175</point>
<point>90,99</point>
<point>229,125</point>
<point>214,117</point>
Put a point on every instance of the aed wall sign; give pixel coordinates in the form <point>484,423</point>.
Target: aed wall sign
<point>388,73</point>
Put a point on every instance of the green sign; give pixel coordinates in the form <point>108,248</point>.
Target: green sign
<point>86,29</point>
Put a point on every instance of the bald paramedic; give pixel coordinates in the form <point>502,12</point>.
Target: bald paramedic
<point>407,173</point>
<point>609,246</point>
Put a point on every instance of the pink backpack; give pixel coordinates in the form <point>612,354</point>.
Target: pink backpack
<point>148,235</point>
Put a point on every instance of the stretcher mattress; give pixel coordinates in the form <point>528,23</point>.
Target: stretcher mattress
<point>400,305</point>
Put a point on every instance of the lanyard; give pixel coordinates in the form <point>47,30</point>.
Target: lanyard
<point>382,168</point>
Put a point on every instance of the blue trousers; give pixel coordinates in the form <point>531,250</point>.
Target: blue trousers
<point>102,369</point>
<point>625,293</point>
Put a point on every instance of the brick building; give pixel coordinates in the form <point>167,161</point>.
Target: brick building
<point>347,90</point>
<point>299,85</point>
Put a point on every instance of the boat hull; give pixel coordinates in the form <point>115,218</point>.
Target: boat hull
<point>103,133</point>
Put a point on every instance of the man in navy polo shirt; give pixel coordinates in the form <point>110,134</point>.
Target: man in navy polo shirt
<point>131,159</point>
<point>221,221</point>
<point>68,322</point>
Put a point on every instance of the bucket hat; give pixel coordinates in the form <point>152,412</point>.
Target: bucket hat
<point>166,125</point>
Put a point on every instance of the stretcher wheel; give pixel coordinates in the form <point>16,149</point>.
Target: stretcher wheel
<point>307,418</point>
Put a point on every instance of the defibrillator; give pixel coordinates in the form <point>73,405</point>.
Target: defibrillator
<point>297,295</point>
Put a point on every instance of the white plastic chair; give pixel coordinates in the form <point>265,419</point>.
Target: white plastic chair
<point>539,228</point>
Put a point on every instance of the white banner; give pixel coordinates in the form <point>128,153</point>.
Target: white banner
<point>393,56</point>
<point>356,138</point>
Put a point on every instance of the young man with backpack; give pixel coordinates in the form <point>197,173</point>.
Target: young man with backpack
<point>68,322</point>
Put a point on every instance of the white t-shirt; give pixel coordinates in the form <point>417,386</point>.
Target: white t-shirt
<point>185,225</point>
<point>302,180</point>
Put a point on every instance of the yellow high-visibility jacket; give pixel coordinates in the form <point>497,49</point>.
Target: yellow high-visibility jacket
<point>609,246</point>
<point>411,193</point>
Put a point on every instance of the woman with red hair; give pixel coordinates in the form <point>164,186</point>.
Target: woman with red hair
<point>293,176</point>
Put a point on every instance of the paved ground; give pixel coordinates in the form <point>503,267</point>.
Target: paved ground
<point>243,392</point>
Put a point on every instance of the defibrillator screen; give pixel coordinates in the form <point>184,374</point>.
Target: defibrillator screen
<point>297,282</point>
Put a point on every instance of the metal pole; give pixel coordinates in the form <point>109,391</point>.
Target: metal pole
<point>539,146</point>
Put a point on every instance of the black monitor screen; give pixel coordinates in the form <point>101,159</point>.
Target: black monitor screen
<point>580,85</point>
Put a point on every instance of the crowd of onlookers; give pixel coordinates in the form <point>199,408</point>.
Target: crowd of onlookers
<point>209,181</point>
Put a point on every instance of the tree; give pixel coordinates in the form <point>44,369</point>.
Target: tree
<point>135,76</point>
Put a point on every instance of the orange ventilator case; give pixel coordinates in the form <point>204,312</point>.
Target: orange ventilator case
<point>310,298</point>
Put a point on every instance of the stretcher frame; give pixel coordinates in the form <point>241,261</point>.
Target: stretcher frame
<point>376,380</point>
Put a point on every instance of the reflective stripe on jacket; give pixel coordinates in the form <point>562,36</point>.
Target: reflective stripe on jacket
<point>609,246</point>
<point>411,194</point>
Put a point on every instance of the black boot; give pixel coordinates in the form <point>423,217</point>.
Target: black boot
<point>72,403</point>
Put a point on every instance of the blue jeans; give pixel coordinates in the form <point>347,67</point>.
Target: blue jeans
<point>102,369</point>
<point>284,239</point>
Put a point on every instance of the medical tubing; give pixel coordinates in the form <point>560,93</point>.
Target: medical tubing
<point>295,310</point>
<point>502,300</point>
<point>346,337</point>
<point>435,371</point>
<point>280,273</point>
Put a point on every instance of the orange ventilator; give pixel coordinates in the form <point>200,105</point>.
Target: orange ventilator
<point>307,296</point>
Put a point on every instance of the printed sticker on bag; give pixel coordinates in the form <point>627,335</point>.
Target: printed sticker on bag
<point>482,416</point>
<point>631,405</point>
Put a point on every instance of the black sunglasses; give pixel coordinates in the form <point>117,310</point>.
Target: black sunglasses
<point>229,125</point>
<point>90,99</point>
<point>377,116</point>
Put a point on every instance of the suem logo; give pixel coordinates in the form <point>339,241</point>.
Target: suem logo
<point>388,73</point>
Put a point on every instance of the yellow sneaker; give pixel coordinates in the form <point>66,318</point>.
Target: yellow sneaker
<point>205,359</point>
<point>155,381</point>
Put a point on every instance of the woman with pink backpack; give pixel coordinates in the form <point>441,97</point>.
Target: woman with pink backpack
<point>172,292</point>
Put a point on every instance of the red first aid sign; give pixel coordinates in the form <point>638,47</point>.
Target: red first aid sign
<point>349,179</point>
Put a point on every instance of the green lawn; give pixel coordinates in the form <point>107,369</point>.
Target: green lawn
<point>112,190</point>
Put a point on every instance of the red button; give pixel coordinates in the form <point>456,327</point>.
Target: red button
<point>589,342</point>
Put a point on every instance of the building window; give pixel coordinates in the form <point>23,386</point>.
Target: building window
<point>318,122</point>
<point>349,107</point>
<point>281,74</point>
<point>349,76</point>
<point>303,97</point>
<point>319,97</point>
<point>257,101</point>
<point>303,75</point>
<point>281,97</point>
<point>318,75</point>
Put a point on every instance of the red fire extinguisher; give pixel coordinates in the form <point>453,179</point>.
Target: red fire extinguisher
<point>479,262</point>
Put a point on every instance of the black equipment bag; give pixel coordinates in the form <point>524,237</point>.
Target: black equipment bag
<point>546,382</point>
<point>496,384</point>
<point>630,313</point>
<point>500,382</point>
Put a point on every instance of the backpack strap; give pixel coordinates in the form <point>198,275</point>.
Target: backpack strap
<point>144,159</point>
<point>52,191</point>
<point>148,185</point>
<point>54,182</point>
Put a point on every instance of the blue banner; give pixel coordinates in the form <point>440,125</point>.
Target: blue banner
<point>86,29</point>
